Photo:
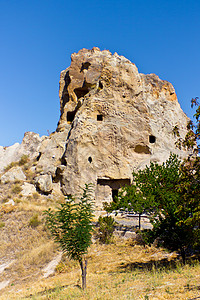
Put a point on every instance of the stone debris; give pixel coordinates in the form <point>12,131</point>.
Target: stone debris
<point>4,284</point>
<point>28,189</point>
<point>50,268</point>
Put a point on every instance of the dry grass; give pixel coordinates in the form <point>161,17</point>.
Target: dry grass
<point>120,270</point>
<point>116,271</point>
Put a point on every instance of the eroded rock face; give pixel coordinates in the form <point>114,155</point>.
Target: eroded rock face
<point>51,151</point>
<point>119,120</point>
<point>113,120</point>
<point>29,146</point>
<point>13,175</point>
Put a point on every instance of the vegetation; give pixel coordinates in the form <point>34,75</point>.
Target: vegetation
<point>2,224</point>
<point>123,269</point>
<point>71,226</point>
<point>170,193</point>
<point>106,229</point>
<point>116,271</point>
<point>23,160</point>
<point>34,221</point>
<point>16,189</point>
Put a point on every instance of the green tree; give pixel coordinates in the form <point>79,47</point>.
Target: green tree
<point>190,180</point>
<point>129,198</point>
<point>71,227</point>
<point>160,188</point>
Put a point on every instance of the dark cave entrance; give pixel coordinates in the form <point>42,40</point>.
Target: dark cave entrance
<point>152,139</point>
<point>114,184</point>
<point>70,116</point>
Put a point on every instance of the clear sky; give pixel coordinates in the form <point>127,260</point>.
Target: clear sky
<point>37,38</point>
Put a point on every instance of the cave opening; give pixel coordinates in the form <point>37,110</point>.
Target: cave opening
<point>114,195</point>
<point>85,66</point>
<point>114,184</point>
<point>152,139</point>
<point>70,116</point>
<point>99,117</point>
<point>90,159</point>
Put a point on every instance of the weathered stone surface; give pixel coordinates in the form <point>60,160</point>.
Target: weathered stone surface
<point>28,189</point>
<point>29,147</point>
<point>44,183</point>
<point>51,151</point>
<point>120,120</point>
<point>113,120</point>
<point>12,175</point>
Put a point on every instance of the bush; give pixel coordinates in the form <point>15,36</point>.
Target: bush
<point>106,229</point>
<point>16,189</point>
<point>36,196</point>
<point>34,221</point>
<point>11,165</point>
<point>23,160</point>
<point>2,224</point>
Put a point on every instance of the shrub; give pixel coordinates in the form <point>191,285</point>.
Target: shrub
<point>36,196</point>
<point>106,229</point>
<point>34,221</point>
<point>23,160</point>
<point>16,189</point>
<point>2,224</point>
<point>11,165</point>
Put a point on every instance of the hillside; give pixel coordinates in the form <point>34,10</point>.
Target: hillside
<point>113,120</point>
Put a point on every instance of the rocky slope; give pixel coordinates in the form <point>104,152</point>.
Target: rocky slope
<point>113,120</point>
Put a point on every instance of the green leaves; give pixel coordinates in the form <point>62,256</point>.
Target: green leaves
<point>170,193</point>
<point>71,225</point>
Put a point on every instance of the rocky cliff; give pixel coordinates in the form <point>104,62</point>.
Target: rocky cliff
<point>113,120</point>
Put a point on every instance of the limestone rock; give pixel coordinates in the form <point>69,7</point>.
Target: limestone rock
<point>51,151</point>
<point>44,183</point>
<point>113,120</point>
<point>12,175</point>
<point>120,120</point>
<point>28,189</point>
<point>29,147</point>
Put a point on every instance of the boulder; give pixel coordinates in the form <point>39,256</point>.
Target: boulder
<point>28,189</point>
<point>113,120</point>
<point>29,146</point>
<point>13,175</point>
<point>44,183</point>
<point>51,151</point>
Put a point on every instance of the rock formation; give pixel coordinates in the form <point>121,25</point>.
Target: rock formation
<point>113,120</point>
<point>120,120</point>
<point>29,146</point>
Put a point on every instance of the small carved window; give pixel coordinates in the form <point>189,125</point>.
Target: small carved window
<point>90,159</point>
<point>152,139</point>
<point>99,117</point>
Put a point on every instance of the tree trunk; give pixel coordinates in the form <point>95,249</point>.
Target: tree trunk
<point>183,255</point>
<point>139,221</point>
<point>83,264</point>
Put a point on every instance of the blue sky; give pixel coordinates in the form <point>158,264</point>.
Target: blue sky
<point>38,37</point>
